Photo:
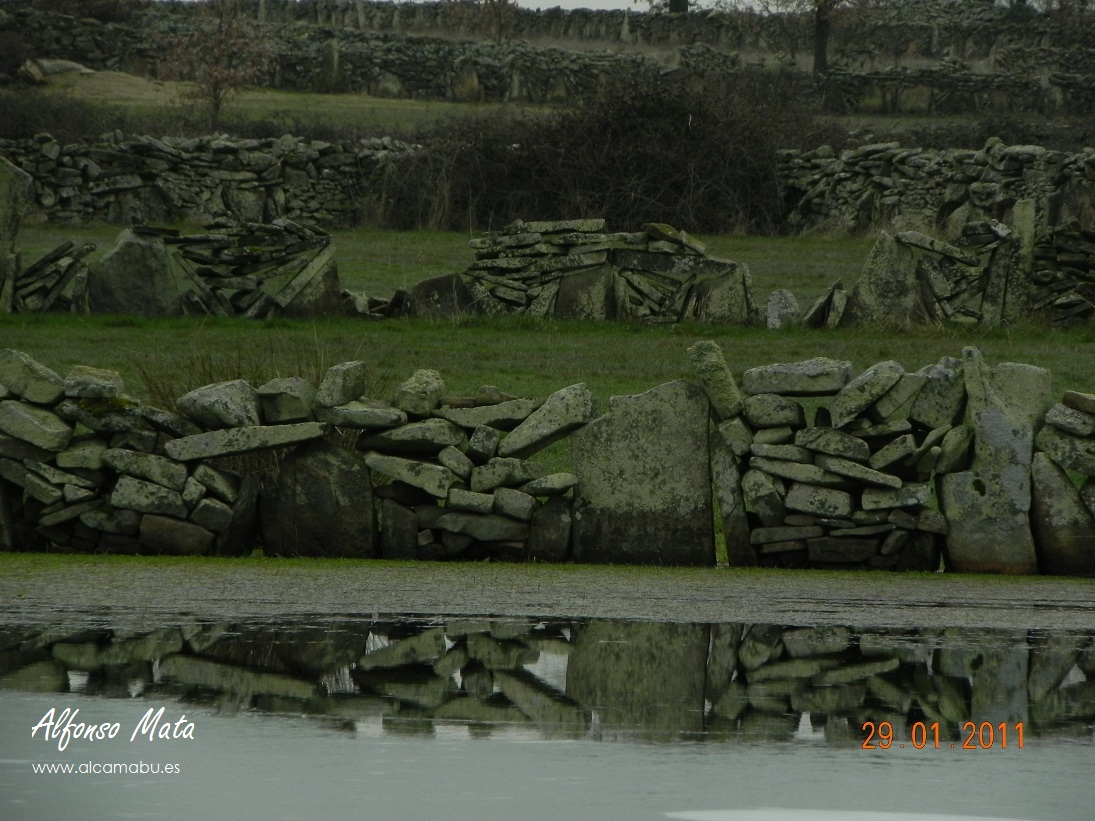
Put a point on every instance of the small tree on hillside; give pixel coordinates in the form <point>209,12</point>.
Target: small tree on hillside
<point>223,53</point>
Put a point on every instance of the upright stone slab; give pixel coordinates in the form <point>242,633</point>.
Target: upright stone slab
<point>136,278</point>
<point>644,482</point>
<point>888,291</point>
<point>1064,529</point>
<point>15,194</point>
<point>322,505</point>
<point>988,506</point>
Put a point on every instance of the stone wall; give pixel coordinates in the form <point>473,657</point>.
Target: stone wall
<point>386,49</point>
<point>138,180</point>
<point>560,678</point>
<point>809,464</point>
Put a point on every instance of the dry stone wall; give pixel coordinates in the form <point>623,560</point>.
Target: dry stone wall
<point>809,464</point>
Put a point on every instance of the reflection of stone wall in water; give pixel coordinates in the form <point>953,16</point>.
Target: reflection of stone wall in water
<point>808,467</point>
<point>599,679</point>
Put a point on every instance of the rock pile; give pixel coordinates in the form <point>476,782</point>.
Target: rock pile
<point>574,269</point>
<point>56,282</point>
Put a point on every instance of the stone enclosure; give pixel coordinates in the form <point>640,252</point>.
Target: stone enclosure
<point>806,464</point>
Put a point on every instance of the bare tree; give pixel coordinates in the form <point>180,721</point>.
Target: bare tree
<point>223,53</point>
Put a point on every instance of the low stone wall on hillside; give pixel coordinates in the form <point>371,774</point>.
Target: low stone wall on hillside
<point>808,464</point>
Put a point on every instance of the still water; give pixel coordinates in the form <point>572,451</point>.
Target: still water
<point>398,717</point>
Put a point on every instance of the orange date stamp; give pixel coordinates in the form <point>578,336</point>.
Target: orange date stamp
<point>983,736</point>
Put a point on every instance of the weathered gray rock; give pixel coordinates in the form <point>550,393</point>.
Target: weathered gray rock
<point>286,399</point>
<point>488,528</point>
<point>854,470</point>
<point>783,310</point>
<point>425,438</point>
<point>900,449</point>
<point>162,534</point>
<point>554,484</point>
<point>1070,452</point>
<point>147,497</point>
<point>322,505</point>
<point>342,383</point>
<point>212,515</point>
<point>549,531</point>
<point>469,501</point>
<point>504,471</point>
<point>456,461</point>
<point>812,377</point>
<point>362,413</point>
<point>29,380</point>
<point>243,440</point>
<point>84,382</point>
<point>911,495</point>
<point>763,497</point>
<point>561,413</point>
<point>502,416</point>
<point>897,401</point>
<point>717,380</point>
<point>798,472</point>
<point>834,443</point>
<point>726,478</point>
<point>513,503</point>
<point>955,450</point>
<point>434,479</point>
<point>770,410</point>
<point>863,391</point>
<point>135,277</point>
<point>16,191</point>
<point>940,400</point>
<point>146,466</point>
<point>1084,402</point>
<point>483,444</point>
<point>35,426</point>
<point>788,453</point>
<point>644,491</point>
<point>1070,420</point>
<point>232,404</point>
<point>888,291</point>
<point>1064,529</point>
<point>420,395</point>
<point>820,501</point>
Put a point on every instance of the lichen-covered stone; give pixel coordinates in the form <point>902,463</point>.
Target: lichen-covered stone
<point>421,394</point>
<point>863,391</point>
<point>35,426</point>
<point>286,399</point>
<point>29,380</point>
<point>231,404</point>
<point>243,440</point>
<point>811,377</point>
<point>561,413</point>
<point>342,383</point>
<point>1064,530</point>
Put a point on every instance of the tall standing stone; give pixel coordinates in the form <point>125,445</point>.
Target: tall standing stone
<point>888,292</point>
<point>988,506</point>
<point>15,194</point>
<point>1064,529</point>
<point>136,278</point>
<point>644,482</point>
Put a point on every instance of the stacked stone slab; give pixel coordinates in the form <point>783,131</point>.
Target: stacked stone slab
<point>461,483</point>
<point>55,282</point>
<point>575,269</point>
<point>833,471</point>
<point>87,468</point>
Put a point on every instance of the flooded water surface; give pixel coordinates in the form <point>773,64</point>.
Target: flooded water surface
<point>403,717</point>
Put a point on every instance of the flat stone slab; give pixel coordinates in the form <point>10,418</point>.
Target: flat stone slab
<point>425,438</point>
<point>503,416</point>
<point>223,405</point>
<point>811,377</point>
<point>854,470</point>
<point>770,410</point>
<point>420,394</point>
<point>1070,420</point>
<point>821,501</point>
<point>644,493</point>
<point>434,479</point>
<point>147,497</point>
<point>554,484</point>
<point>833,442</point>
<point>1070,452</point>
<point>243,440</point>
<point>562,412</point>
<point>83,382</point>
<point>864,391</point>
<point>1079,401</point>
<point>468,500</point>
<point>488,528</point>
<point>504,471</point>
<point>911,495</point>
<point>761,495</point>
<point>146,466</point>
<point>29,379</point>
<point>797,472</point>
<point>35,426</point>
<point>162,534</point>
<point>940,399</point>
<point>362,413</point>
